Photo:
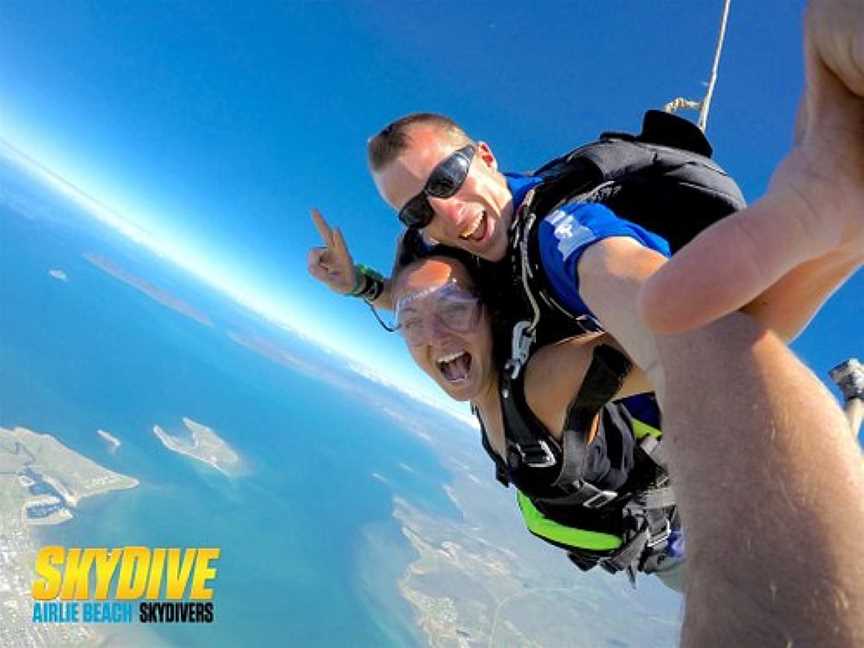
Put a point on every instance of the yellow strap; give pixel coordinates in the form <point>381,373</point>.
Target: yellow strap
<point>542,526</point>
<point>641,430</point>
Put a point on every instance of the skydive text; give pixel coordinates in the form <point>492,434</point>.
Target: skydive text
<point>66,573</point>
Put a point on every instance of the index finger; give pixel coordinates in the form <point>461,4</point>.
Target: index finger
<point>322,227</point>
<point>339,244</point>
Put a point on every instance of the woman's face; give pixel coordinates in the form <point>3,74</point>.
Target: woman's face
<point>445,327</point>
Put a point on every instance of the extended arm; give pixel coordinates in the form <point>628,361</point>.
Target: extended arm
<point>756,445</point>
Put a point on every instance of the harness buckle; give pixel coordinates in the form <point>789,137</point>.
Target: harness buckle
<point>523,339</point>
<point>660,537</point>
<point>537,456</point>
<point>600,499</point>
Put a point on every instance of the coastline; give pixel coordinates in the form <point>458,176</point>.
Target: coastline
<point>71,476</point>
<point>480,579</point>
<point>61,478</point>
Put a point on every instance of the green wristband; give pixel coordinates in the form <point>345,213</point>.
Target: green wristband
<point>361,282</point>
<point>368,283</point>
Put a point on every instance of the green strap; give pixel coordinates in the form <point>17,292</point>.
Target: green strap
<point>641,430</point>
<point>542,526</point>
<point>368,283</point>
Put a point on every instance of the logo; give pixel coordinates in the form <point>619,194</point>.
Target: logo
<point>100,585</point>
<point>570,233</point>
<point>564,230</point>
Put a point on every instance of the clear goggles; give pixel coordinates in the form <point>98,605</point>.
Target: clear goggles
<point>450,308</point>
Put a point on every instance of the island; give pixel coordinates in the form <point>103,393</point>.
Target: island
<point>54,477</point>
<point>204,445</point>
<point>154,292</point>
<point>112,441</point>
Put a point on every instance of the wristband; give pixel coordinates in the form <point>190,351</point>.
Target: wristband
<point>368,283</point>
<point>376,287</point>
<point>361,282</point>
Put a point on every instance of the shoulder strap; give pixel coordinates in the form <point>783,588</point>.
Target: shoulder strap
<point>528,442</point>
<point>603,379</point>
<point>501,472</point>
<point>528,281</point>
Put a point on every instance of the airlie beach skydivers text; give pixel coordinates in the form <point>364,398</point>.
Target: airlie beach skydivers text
<point>96,585</point>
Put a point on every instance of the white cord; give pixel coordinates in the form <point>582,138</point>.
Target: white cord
<point>706,102</point>
<point>705,105</point>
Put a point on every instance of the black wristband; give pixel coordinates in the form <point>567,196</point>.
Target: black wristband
<point>368,283</point>
<point>373,290</point>
<point>361,283</point>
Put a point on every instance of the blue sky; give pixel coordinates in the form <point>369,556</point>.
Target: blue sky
<point>216,126</point>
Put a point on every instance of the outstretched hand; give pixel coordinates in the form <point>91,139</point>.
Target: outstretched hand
<point>812,211</point>
<point>331,263</point>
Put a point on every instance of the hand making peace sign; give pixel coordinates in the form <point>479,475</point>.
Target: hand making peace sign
<point>331,263</point>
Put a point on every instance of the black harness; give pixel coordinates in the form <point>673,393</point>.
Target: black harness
<point>662,179</point>
<point>556,477</point>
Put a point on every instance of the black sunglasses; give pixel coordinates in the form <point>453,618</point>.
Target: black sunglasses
<point>445,180</point>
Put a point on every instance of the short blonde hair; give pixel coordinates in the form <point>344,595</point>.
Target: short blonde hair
<point>394,138</point>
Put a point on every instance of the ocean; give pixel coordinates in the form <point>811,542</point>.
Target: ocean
<point>309,548</point>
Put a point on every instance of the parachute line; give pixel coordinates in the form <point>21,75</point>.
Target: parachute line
<point>705,105</point>
<point>709,94</point>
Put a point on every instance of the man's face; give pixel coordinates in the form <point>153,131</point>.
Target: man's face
<point>476,218</point>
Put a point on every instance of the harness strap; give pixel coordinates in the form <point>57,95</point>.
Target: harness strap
<point>648,541</point>
<point>501,472</point>
<point>627,555</point>
<point>652,447</point>
<point>658,498</point>
<point>575,449</point>
<point>561,534</point>
<point>525,445</point>
<point>585,494</point>
<point>527,278</point>
<point>603,379</point>
<point>644,547</point>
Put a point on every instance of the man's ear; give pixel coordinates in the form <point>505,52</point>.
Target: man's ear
<point>485,153</point>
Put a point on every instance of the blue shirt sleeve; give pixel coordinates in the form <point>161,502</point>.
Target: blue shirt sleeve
<point>566,233</point>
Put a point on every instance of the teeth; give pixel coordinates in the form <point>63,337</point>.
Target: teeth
<point>455,367</point>
<point>450,357</point>
<point>468,233</point>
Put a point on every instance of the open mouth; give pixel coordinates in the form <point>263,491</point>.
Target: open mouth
<point>455,366</point>
<point>477,230</point>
